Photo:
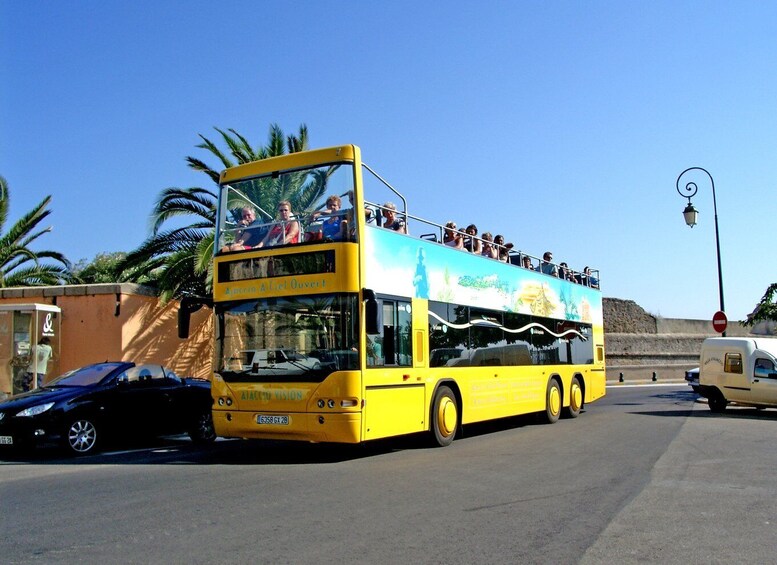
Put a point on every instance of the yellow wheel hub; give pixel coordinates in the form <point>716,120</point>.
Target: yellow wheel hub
<point>554,400</point>
<point>447,416</point>
<point>576,397</point>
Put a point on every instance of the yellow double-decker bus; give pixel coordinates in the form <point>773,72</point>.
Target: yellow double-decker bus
<point>342,317</point>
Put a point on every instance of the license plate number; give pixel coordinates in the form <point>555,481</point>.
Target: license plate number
<point>273,420</point>
<point>6,440</point>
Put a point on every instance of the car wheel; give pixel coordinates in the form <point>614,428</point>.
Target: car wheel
<point>81,436</point>
<point>717,402</point>
<point>445,416</point>
<point>203,430</point>
<point>553,402</point>
<point>575,399</point>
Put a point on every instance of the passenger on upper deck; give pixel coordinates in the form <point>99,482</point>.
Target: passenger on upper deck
<point>335,226</point>
<point>546,266</point>
<point>588,279</point>
<point>472,244</point>
<point>285,231</point>
<point>248,236</point>
<point>503,248</point>
<point>452,236</point>
<point>565,273</point>
<point>489,249</point>
<point>390,219</point>
<point>526,262</point>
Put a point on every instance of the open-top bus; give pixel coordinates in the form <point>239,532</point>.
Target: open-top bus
<point>354,332</point>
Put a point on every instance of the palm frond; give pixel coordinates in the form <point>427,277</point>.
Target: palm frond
<point>4,201</point>
<point>174,202</point>
<point>213,148</point>
<point>198,165</point>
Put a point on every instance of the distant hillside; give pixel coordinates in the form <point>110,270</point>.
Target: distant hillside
<point>628,317</point>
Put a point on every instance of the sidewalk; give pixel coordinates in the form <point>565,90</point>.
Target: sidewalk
<point>658,381</point>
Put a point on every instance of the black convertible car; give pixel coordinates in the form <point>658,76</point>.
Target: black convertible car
<point>84,407</point>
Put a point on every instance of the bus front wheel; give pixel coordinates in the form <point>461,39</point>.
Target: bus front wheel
<point>553,402</point>
<point>445,416</point>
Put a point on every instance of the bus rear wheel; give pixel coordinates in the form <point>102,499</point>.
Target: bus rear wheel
<point>575,399</point>
<point>445,416</point>
<point>553,402</point>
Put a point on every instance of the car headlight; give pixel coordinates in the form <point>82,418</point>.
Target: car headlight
<point>35,410</point>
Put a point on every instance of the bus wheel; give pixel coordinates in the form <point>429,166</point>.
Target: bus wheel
<point>553,402</point>
<point>445,416</point>
<point>717,402</point>
<point>575,399</point>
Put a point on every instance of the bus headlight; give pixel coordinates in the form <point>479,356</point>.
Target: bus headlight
<point>320,403</point>
<point>331,403</point>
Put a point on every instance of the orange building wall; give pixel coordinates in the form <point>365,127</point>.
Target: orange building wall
<point>145,331</point>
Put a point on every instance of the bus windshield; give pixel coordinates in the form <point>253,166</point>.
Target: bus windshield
<point>287,207</point>
<point>295,339</point>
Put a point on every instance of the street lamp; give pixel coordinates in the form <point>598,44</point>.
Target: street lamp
<point>691,214</point>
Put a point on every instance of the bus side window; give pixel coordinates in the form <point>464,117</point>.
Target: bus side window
<point>389,345</point>
<point>394,345</point>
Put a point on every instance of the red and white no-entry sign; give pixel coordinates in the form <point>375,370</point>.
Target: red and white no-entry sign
<point>719,321</point>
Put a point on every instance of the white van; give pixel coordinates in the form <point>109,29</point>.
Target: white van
<point>738,369</point>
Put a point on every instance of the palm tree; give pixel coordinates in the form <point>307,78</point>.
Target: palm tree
<point>19,264</point>
<point>179,259</point>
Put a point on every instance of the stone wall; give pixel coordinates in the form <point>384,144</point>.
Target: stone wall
<point>639,345</point>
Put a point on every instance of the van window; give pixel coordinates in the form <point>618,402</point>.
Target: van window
<point>733,363</point>
<point>764,368</point>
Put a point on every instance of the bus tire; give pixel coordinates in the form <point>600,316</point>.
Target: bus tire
<point>553,402</point>
<point>445,416</point>
<point>717,402</point>
<point>575,399</point>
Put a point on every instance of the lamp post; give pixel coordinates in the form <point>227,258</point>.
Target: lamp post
<point>691,214</point>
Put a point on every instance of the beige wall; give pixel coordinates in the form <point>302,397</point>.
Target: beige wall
<point>144,331</point>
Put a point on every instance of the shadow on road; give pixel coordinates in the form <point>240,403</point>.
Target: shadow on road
<point>180,450</point>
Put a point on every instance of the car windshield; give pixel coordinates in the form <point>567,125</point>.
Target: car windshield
<point>85,376</point>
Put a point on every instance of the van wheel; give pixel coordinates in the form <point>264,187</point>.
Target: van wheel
<point>553,402</point>
<point>717,402</point>
<point>575,399</point>
<point>445,416</point>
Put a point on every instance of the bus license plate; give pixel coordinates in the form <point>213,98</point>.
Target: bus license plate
<point>6,440</point>
<point>273,420</point>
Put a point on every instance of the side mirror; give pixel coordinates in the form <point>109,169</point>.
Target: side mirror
<point>373,313</point>
<point>189,304</point>
<point>184,317</point>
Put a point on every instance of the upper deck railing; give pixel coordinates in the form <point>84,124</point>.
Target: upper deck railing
<point>311,231</point>
<point>506,253</point>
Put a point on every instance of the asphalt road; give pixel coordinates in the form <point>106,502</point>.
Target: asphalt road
<point>646,474</point>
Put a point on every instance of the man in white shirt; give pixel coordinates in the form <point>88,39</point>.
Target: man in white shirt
<point>39,360</point>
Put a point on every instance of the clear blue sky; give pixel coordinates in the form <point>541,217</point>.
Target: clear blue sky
<point>563,125</point>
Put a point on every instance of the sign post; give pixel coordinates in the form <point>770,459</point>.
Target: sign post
<point>719,322</point>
